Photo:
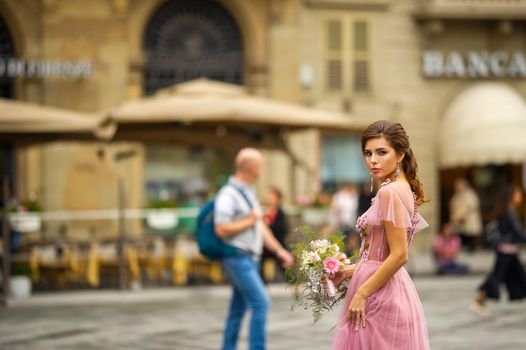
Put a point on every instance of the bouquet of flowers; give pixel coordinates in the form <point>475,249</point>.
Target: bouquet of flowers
<point>316,261</point>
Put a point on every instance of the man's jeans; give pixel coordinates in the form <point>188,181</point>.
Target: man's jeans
<point>248,293</point>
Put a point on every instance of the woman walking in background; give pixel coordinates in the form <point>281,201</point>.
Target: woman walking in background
<point>508,268</point>
<point>276,220</point>
<point>382,309</point>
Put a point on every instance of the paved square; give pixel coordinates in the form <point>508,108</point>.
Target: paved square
<point>192,318</point>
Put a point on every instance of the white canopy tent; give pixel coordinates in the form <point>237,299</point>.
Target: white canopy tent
<point>485,124</point>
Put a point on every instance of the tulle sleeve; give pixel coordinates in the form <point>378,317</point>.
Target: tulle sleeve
<point>388,206</point>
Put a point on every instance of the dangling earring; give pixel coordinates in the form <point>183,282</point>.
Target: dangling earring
<point>372,183</point>
<point>397,171</point>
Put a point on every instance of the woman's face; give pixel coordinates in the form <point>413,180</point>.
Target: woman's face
<point>380,157</point>
<point>517,197</point>
<point>448,230</point>
<point>272,199</point>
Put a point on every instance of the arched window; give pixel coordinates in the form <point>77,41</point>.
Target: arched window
<point>7,50</point>
<point>186,40</point>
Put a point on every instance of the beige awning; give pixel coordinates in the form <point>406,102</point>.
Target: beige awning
<point>203,105</point>
<point>485,124</point>
<point>21,118</point>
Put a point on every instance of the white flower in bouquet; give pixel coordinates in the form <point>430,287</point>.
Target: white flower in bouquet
<point>317,261</point>
<point>309,258</point>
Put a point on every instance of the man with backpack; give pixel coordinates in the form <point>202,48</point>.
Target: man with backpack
<point>238,222</point>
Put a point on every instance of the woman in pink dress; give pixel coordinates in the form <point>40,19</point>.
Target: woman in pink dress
<point>382,309</point>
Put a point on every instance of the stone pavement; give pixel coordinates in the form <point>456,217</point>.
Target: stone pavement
<point>192,318</point>
<point>422,264</point>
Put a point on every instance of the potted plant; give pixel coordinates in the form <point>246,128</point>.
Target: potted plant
<point>25,215</point>
<point>315,208</point>
<point>20,280</point>
<point>161,216</point>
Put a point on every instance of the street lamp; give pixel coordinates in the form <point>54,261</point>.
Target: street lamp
<point>121,194</point>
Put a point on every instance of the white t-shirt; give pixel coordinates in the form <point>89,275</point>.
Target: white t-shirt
<point>230,206</point>
<point>344,209</point>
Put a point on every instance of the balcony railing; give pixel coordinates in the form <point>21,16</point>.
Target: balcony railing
<point>472,9</point>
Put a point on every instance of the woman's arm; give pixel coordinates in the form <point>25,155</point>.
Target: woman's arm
<point>272,244</point>
<point>340,276</point>
<point>235,227</point>
<point>516,227</point>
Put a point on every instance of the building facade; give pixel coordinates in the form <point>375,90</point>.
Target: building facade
<point>422,63</point>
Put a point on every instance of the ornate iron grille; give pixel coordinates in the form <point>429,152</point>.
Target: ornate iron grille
<point>7,50</point>
<point>186,40</point>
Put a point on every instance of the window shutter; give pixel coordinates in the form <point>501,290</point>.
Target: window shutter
<point>361,76</point>
<point>360,57</point>
<point>334,60</point>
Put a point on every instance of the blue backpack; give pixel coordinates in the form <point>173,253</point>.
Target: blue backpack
<point>210,245</point>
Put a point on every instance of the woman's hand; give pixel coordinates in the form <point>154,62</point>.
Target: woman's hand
<point>356,313</point>
<point>285,257</point>
<point>340,276</point>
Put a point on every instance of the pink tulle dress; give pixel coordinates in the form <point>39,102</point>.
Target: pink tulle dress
<point>394,315</point>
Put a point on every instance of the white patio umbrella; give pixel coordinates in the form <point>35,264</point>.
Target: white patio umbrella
<point>204,105</point>
<point>22,119</point>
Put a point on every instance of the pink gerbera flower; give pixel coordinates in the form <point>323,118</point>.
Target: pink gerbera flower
<point>331,265</point>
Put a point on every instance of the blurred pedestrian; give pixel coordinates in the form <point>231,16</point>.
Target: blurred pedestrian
<point>508,268</point>
<point>343,213</point>
<point>445,250</point>
<point>276,220</point>
<point>365,197</point>
<point>465,214</point>
<point>238,221</point>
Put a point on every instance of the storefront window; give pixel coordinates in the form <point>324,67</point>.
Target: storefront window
<point>182,175</point>
<point>342,161</point>
<point>173,174</point>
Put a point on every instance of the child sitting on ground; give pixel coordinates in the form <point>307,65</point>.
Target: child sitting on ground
<point>445,248</point>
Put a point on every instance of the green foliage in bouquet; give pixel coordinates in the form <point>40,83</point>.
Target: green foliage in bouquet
<point>307,275</point>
